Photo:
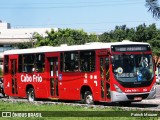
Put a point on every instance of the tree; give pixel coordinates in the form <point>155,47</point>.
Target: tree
<point>65,36</point>
<point>24,45</point>
<point>105,37</point>
<point>1,72</point>
<point>92,38</point>
<point>120,33</point>
<point>141,33</point>
<point>155,43</point>
<point>131,34</point>
<point>153,7</point>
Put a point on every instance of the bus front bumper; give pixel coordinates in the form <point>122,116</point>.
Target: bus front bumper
<point>118,97</point>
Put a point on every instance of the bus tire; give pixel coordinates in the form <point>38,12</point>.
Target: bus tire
<point>88,98</point>
<point>31,95</point>
<point>2,91</point>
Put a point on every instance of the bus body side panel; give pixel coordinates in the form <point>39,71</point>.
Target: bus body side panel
<point>7,88</point>
<point>38,82</point>
<point>71,84</point>
<point>9,85</point>
<point>41,87</point>
<point>21,88</point>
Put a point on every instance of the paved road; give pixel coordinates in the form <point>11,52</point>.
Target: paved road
<point>157,99</point>
<point>158,92</point>
<point>152,104</point>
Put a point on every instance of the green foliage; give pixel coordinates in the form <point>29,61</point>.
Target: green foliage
<point>24,45</point>
<point>64,36</point>
<point>155,43</point>
<point>141,33</point>
<point>1,72</point>
<point>120,33</point>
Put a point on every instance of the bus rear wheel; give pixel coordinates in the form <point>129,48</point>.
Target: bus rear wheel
<point>31,95</point>
<point>88,98</point>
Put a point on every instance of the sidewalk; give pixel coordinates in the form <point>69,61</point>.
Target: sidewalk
<point>151,101</point>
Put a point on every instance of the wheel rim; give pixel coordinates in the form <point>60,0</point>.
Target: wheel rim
<point>89,99</point>
<point>31,96</point>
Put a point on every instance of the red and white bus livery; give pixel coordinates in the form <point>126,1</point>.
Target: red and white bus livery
<point>106,72</point>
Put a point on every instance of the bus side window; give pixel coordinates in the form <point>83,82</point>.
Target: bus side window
<point>28,60</point>
<point>6,60</point>
<point>62,61</point>
<point>87,61</point>
<point>40,63</point>
<point>71,61</point>
<point>20,63</point>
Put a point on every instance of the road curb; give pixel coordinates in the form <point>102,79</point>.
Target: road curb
<point>153,101</point>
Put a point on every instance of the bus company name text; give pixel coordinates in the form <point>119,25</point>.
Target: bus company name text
<point>33,78</point>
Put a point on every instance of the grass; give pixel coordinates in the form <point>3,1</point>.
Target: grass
<point>60,110</point>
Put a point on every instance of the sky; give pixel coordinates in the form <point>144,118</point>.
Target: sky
<point>93,16</point>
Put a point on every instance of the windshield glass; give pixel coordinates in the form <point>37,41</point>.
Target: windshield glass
<point>133,68</point>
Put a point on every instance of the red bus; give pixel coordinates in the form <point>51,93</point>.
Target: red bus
<point>105,72</point>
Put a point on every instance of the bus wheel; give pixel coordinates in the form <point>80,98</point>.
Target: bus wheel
<point>88,98</point>
<point>127,103</point>
<point>31,95</point>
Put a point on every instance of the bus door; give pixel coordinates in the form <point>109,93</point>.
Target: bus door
<point>53,75</point>
<point>13,76</point>
<point>105,80</point>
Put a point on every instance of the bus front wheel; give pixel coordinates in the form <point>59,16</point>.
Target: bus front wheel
<point>88,98</point>
<point>31,95</point>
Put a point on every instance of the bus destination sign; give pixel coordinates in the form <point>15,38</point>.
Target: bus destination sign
<point>130,48</point>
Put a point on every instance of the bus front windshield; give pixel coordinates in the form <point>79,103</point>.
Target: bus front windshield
<point>133,68</point>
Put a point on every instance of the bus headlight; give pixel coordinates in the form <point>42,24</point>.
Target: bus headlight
<point>117,89</point>
<point>153,88</point>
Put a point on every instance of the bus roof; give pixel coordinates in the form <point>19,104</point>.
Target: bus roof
<point>64,47</point>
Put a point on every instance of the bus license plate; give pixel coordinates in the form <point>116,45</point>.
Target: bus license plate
<point>137,98</point>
